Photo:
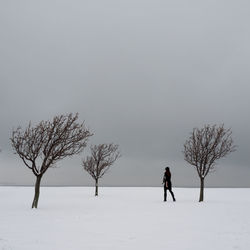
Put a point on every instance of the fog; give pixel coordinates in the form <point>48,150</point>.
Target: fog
<point>141,74</point>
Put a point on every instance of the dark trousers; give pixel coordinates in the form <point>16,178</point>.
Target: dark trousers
<point>169,188</point>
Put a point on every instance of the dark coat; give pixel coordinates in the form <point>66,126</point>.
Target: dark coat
<point>167,178</point>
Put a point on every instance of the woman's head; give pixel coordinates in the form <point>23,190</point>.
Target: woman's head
<point>167,171</point>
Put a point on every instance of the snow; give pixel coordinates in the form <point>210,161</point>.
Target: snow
<point>71,218</point>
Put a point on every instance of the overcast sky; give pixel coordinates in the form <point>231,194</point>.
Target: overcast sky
<point>141,73</point>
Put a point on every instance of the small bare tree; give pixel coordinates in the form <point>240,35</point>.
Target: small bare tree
<point>204,147</point>
<point>101,159</point>
<point>43,145</point>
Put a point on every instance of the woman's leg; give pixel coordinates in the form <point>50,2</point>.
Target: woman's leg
<point>165,193</point>
<point>171,192</point>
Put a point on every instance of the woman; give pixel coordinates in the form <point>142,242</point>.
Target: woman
<point>167,184</point>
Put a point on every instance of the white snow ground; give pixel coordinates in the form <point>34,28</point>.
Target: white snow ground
<point>71,218</point>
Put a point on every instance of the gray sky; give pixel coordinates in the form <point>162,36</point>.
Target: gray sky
<point>140,73</point>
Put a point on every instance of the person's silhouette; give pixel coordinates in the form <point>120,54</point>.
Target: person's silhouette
<point>167,184</point>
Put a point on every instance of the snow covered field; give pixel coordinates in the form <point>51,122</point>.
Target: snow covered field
<point>71,218</point>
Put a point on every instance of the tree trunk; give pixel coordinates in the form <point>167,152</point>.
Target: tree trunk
<point>201,190</point>
<point>37,191</point>
<point>96,187</point>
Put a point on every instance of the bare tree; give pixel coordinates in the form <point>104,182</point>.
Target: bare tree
<point>204,147</point>
<point>101,159</point>
<point>43,145</point>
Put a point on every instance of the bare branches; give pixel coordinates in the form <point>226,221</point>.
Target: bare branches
<point>41,146</point>
<point>207,145</point>
<point>102,158</point>
<point>204,147</point>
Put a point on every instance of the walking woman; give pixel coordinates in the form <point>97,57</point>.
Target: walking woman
<point>167,184</point>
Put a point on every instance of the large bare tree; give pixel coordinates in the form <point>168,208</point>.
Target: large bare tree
<point>205,147</point>
<point>42,146</point>
<point>102,158</point>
